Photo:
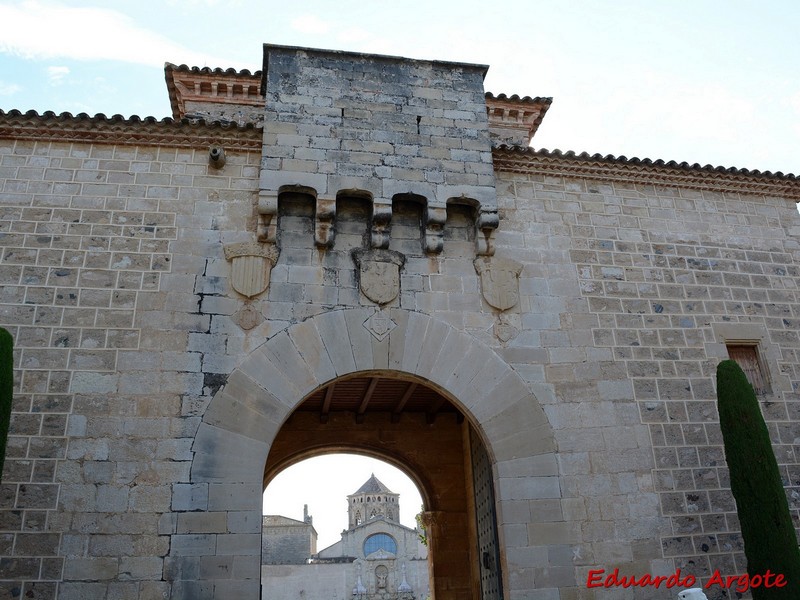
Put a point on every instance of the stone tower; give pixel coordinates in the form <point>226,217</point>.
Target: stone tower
<point>373,499</point>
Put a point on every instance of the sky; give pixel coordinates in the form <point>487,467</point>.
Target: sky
<point>702,81</point>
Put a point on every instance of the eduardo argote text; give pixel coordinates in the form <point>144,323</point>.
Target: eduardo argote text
<point>741,583</point>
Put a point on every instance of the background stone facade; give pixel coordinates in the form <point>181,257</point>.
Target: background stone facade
<point>286,541</point>
<point>115,288</point>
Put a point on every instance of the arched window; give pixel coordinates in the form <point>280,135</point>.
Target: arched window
<point>379,541</point>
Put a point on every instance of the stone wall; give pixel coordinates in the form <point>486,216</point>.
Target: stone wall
<point>629,295</point>
<point>286,541</point>
<point>101,248</point>
<point>145,409</point>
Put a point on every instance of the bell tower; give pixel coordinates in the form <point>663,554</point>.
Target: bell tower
<point>371,501</point>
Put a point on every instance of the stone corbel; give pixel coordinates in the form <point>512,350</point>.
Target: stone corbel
<point>485,225</point>
<point>381,223</point>
<point>324,229</point>
<point>435,217</point>
<point>267,228</point>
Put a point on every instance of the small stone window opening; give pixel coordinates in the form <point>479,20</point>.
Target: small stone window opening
<point>749,359</point>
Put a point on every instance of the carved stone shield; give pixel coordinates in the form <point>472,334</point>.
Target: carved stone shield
<point>379,273</point>
<point>499,280</point>
<point>251,264</point>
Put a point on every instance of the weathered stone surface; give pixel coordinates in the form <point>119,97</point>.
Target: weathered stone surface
<point>147,404</point>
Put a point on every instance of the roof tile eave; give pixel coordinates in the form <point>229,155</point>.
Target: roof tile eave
<point>516,98</point>
<point>168,66</point>
<point>610,159</point>
<point>99,128</point>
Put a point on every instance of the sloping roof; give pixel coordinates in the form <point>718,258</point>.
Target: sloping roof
<point>373,485</point>
<point>524,159</point>
<point>281,521</point>
<point>133,130</point>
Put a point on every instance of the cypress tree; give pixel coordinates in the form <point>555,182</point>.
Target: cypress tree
<point>769,536</point>
<point>6,390</point>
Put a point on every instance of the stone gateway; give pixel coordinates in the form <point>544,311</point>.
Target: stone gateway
<point>531,336</point>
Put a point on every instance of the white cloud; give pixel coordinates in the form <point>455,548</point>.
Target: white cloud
<point>46,30</point>
<point>310,24</point>
<point>56,75</point>
<point>9,89</point>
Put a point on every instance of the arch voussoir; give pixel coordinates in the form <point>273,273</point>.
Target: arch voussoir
<point>435,334</point>
<point>244,407</point>
<point>244,417</point>
<point>360,338</point>
<point>225,456</point>
<point>285,357</point>
<point>333,331</point>
<point>415,338</point>
<point>267,373</point>
<point>397,337</point>
<point>307,339</point>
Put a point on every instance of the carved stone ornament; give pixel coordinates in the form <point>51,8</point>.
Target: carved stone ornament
<point>499,280</point>
<point>379,273</point>
<point>379,325</point>
<point>251,264</point>
<point>247,317</point>
<point>381,576</point>
<point>505,331</point>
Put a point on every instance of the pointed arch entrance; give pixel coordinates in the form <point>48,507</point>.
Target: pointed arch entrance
<point>215,541</point>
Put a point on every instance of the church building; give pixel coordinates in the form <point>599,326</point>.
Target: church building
<point>376,558</point>
<point>347,252</point>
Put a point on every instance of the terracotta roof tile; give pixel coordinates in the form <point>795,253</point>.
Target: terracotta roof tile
<point>203,84</point>
<point>515,98</point>
<point>524,159</point>
<point>514,120</point>
<point>210,71</point>
<point>118,129</point>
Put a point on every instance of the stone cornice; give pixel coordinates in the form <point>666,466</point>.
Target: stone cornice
<point>131,131</point>
<point>514,120</point>
<point>187,84</point>
<point>516,159</point>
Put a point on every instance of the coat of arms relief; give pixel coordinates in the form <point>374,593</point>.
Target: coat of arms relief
<point>251,265</point>
<point>500,288</point>
<point>379,273</point>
